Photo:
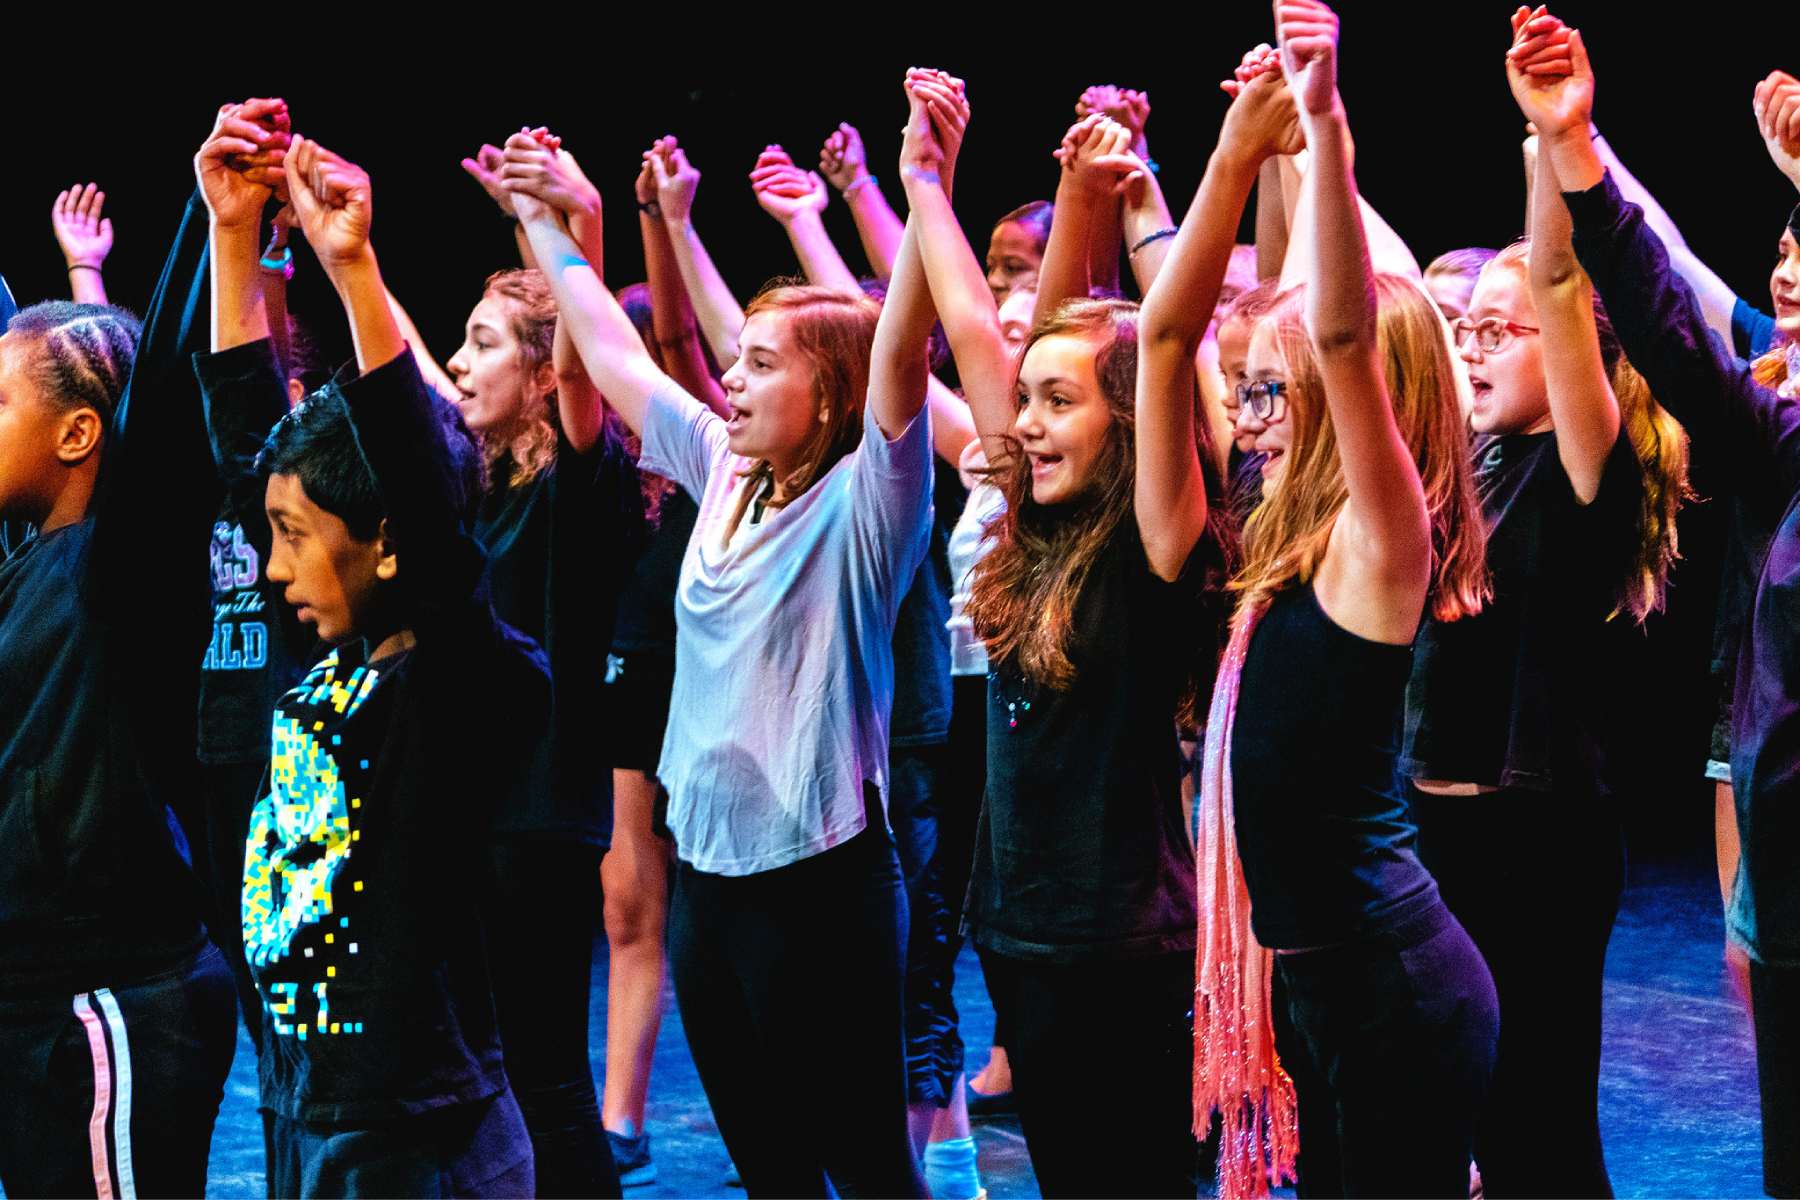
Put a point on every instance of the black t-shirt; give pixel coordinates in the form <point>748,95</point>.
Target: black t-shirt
<point>646,620</point>
<point>258,650</point>
<point>1322,829</point>
<point>560,548</point>
<point>1081,851</point>
<point>921,715</point>
<point>366,877</point>
<point>251,659</point>
<point>1521,694</point>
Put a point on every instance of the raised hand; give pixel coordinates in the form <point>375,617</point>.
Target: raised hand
<point>1258,60</point>
<point>1548,72</point>
<point>236,164</point>
<point>783,190</point>
<point>945,100</point>
<point>1776,103</point>
<point>1128,106</point>
<point>484,169</point>
<point>1307,32</point>
<point>334,202</point>
<point>921,153</point>
<point>1262,120</point>
<point>537,166</point>
<point>85,236</point>
<point>842,159</point>
<point>676,180</point>
<point>1090,155</point>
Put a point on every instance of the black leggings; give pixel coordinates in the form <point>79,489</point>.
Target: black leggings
<point>771,971</point>
<point>1102,1059</point>
<point>1775,1003</point>
<point>1535,878</point>
<point>1397,1040</point>
<point>541,950</point>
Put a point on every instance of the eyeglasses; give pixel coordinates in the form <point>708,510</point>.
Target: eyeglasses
<point>1258,398</point>
<point>1491,333</point>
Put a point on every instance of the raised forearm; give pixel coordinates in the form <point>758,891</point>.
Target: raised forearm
<point>819,260</point>
<point>721,320</point>
<point>1064,274</point>
<point>1179,307</point>
<point>373,330</point>
<point>965,305</point>
<point>897,371</point>
<point>86,285</point>
<point>877,226</point>
<point>672,320</point>
<point>1271,219</point>
<point>239,315</point>
<point>603,335</point>
<point>1148,216</point>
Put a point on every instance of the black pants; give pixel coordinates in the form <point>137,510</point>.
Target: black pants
<point>228,793</point>
<point>472,1150</point>
<point>1535,878</point>
<point>1775,1003</point>
<point>1398,1033</point>
<point>118,1087</point>
<point>963,784</point>
<point>925,836</point>
<point>541,951</point>
<point>780,968</point>
<point>1102,1059</point>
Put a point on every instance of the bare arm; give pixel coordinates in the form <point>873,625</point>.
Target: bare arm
<point>1388,253</point>
<point>1377,565</point>
<point>965,305</point>
<point>234,205</point>
<point>1582,404</point>
<point>721,319</point>
<point>1271,221</point>
<point>1064,273</point>
<point>844,163</point>
<point>602,334</point>
<point>1170,497</point>
<point>797,200</point>
<point>672,320</point>
<point>436,378</point>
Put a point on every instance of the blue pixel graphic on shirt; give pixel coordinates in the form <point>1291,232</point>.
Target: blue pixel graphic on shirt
<point>298,859</point>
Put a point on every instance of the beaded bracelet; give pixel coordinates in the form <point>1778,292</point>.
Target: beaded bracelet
<point>866,179</point>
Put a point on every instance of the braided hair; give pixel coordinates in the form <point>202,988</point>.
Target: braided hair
<point>83,353</point>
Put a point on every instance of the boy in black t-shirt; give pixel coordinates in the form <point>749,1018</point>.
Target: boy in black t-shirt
<point>364,878</point>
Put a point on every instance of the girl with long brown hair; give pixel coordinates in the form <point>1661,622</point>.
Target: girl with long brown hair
<point>1092,604</point>
<point>1368,521</point>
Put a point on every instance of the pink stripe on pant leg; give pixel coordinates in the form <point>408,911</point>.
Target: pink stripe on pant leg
<point>96,1036</point>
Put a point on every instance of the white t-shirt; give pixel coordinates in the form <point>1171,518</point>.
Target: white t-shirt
<point>969,543</point>
<point>784,665</point>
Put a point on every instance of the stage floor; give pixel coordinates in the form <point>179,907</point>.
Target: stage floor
<point>1678,1084</point>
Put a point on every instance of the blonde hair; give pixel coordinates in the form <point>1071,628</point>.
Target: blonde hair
<point>1286,536</point>
<point>1661,447</point>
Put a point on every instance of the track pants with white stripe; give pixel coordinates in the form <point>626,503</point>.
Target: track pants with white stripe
<point>112,1093</point>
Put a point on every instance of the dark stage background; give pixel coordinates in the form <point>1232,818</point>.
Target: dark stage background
<point>1437,141</point>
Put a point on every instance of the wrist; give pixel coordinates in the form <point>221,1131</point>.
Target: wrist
<point>83,264</point>
<point>860,189</point>
<point>354,272</point>
<point>921,175</point>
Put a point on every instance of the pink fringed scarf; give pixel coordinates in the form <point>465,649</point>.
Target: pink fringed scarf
<point>1236,1071</point>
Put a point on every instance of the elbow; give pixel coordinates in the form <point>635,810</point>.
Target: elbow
<point>1338,339</point>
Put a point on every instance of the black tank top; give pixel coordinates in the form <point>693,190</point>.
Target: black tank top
<point>1322,830</point>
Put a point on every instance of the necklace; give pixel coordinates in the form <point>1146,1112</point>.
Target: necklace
<point>1016,707</point>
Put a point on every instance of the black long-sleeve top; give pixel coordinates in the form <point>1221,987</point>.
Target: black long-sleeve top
<point>1726,412</point>
<point>365,875</point>
<point>103,624</point>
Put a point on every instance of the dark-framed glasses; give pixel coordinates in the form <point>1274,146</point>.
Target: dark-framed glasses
<point>1258,397</point>
<point>1491,333</point>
